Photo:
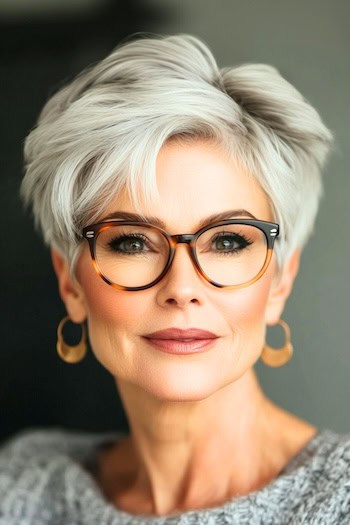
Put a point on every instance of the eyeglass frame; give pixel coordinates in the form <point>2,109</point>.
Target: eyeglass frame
<point>270,230</point>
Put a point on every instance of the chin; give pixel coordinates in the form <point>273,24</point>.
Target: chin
<point>183,387</point>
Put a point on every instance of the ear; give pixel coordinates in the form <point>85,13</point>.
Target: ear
<point>70,291</point>
<point>281,288</point>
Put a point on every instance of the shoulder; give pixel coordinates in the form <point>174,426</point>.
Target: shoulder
<point>37,466</point>
<point>27,454</point>
<point>336,456</point>
<point>324,481</point>
<point>30,444</point>
<point>27,444</point>
<point>327,459</point>
<point>30,439</point>
<point>25,459</point>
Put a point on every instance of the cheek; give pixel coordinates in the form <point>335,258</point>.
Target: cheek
<point>248,305</point>
<point>103,302</point>
<point>111,313</point>
<point>244,311</point>
<point>246,308</point>
<point>107,305</point>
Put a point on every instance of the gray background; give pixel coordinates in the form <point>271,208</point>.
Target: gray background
<point>308,41</point>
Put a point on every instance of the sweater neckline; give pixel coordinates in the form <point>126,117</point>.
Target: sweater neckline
<point>297,460</point>
<point>306,450</point>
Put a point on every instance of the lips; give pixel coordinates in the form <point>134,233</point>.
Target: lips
<point>182,335</point>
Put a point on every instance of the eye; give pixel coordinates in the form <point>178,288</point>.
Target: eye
<point>131,243</point>
<point>229,242</point>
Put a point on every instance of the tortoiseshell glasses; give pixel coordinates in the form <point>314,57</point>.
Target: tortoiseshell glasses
<point>130,255</point>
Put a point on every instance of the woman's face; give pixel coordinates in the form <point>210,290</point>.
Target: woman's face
<point>195,181</point>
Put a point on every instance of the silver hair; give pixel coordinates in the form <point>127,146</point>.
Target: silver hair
<point>102,133</point>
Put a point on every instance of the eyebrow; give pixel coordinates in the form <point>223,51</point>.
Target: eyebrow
<point>216,217</point>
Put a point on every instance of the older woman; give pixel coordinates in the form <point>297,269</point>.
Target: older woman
<point>176,198</point>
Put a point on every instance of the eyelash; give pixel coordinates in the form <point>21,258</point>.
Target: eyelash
<point>125,236</point>
<point>247,242</point>
<point>143,238</point>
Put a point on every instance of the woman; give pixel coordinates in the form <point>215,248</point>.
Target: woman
<point>176,198</point>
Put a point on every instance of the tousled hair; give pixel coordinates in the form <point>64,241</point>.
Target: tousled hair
<point>102,133</point>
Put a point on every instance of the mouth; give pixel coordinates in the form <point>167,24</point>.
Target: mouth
<point>181,346</point>
<point>180,333</point>
<point>179,341</point>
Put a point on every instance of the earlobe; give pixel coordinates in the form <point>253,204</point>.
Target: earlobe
<point>281,290</point>
<point>70,291</point>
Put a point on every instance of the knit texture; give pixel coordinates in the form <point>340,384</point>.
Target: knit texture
<point>46,477</point>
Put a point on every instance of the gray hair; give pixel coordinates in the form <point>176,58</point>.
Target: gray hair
<point>102,133</point>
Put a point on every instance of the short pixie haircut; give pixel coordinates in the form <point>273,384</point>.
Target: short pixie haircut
<point>102,133</point>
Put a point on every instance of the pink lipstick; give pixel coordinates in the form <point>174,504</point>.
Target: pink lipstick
<point>179,341</point>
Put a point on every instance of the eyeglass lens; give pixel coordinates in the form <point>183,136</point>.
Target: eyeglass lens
<point>133,256</point>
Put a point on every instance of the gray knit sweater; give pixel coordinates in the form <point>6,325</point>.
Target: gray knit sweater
<point>46,477</point>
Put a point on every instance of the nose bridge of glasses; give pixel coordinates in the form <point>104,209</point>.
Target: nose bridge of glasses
<point>185,238</point>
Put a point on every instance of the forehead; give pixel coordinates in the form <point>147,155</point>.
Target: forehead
<point>196,180</point>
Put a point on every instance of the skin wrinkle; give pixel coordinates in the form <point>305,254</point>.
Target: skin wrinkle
<point>197,417</point>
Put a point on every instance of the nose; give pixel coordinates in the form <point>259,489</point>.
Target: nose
<point>182,285</point>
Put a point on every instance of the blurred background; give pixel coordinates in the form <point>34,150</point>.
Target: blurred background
<point>43,45</point>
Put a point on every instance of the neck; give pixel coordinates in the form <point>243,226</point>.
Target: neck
<point>178,446</point>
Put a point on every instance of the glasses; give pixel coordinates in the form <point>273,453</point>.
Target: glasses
<point>131,255</point>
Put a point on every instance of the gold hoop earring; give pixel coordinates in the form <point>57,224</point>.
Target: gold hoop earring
<point>278,356</point>
<point>69,353</point>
